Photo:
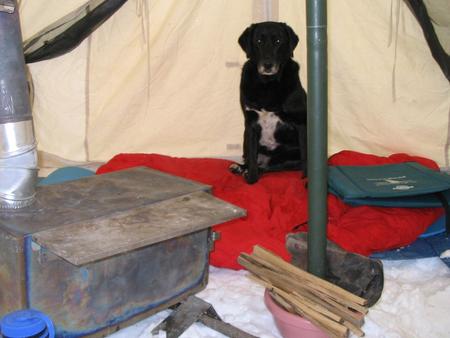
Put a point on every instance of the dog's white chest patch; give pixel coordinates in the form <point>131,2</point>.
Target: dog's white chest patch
<point>268,122</point>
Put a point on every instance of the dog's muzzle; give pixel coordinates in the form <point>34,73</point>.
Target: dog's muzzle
<point>268,68</point>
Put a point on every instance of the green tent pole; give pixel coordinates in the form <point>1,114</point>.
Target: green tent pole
<point>316,17</point>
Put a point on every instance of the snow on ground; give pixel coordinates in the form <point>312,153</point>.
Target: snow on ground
<point>415,304</point>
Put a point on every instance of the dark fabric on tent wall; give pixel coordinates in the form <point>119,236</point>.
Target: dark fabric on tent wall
<point>67,33</point>
<point>439,54</point>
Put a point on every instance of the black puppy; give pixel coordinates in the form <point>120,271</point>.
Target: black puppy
<point>273,101</point>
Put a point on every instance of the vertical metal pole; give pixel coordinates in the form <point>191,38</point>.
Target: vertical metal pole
<point>316,15</point>
<point>18,154</point>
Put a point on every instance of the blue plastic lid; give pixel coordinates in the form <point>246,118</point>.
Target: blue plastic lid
<point>24,323</point>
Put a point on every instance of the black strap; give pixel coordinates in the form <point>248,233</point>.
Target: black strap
<point>419,10</point>
<point>68,32</point>
<point>444,201</point>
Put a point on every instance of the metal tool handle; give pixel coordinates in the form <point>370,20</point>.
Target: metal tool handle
<point>224,328</point>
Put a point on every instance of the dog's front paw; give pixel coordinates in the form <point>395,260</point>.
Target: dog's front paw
<point>237,169</point>
<point>250,177</point>
<point>242,170</point>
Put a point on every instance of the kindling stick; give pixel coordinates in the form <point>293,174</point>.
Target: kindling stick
<point>278,261</point>
<point>332,328</point>
<point>326,305</point>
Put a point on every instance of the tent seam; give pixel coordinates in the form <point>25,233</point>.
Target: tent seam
<point>447,143</point>
<point>87,96</point>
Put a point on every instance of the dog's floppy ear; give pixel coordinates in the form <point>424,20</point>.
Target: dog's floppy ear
<point>245,40</point>
<point>293,38</point>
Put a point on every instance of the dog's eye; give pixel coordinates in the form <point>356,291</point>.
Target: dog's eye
<point>259,41</point>
<point>277,41</point>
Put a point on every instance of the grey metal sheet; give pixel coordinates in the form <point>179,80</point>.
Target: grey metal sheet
<point>87,241</point>
<point>95,196</point>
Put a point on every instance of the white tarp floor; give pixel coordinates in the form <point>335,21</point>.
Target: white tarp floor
<point>415,304</point>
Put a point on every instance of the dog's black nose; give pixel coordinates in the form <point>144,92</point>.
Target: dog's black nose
<point>268,66</point>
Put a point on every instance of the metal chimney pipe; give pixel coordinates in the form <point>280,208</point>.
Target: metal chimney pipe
<point>18,156</point>
<point>316,16</point>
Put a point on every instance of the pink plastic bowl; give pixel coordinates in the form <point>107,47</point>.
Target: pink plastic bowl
<point>290,325</point>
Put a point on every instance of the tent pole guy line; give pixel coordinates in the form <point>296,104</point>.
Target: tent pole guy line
<point>316,17</point>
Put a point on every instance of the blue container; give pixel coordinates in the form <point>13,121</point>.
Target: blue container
<point>27,324</point>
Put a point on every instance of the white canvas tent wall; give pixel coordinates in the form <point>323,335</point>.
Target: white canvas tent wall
<point>163,77</point>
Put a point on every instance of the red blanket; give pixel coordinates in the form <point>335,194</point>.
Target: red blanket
<point>277,204</point>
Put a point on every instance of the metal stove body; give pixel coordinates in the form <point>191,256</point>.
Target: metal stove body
<point>103,252</point>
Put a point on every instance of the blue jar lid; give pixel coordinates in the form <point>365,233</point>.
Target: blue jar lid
<point>24,323</point>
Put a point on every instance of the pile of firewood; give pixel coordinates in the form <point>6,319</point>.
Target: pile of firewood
<point>329,307</point>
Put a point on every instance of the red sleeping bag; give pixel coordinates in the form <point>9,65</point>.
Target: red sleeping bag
<point>277,204</point>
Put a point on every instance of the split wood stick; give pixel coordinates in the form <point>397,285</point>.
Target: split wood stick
<point>336,313</point>
<point>275,281</point>
<point>355,329</point>
<point>317,307</point>
<point>351,312</point>
<point>304,284</point>
<point>269,276</point>
<point>327,296</point>
<point>275,260</point>
<point>283,282</point>
<point>285,305</point>
<point>273,290</point>
<point>288,307</point>
<point>315,317</point>
<point>280,300</point>
<point>351,326</point>
<point>355,317</point>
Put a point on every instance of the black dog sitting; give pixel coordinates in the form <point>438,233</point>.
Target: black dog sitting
<point>273,101</point>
